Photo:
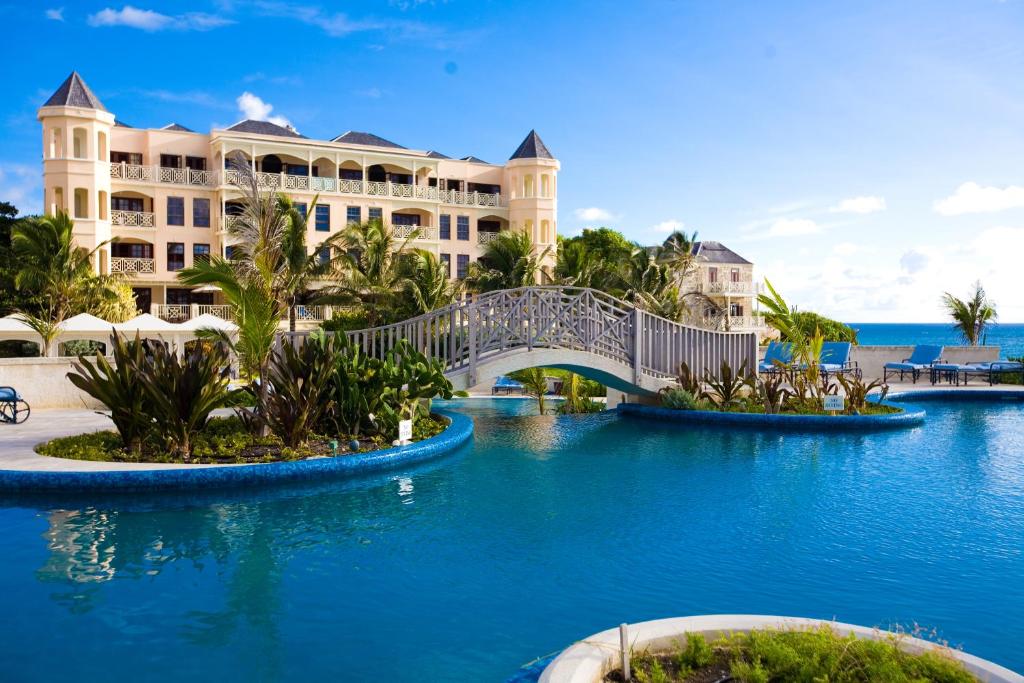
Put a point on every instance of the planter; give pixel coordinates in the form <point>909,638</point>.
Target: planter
<point>910,417</point>
<point>591,658</point>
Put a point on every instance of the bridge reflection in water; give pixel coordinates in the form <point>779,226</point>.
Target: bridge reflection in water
<point>585,330</point>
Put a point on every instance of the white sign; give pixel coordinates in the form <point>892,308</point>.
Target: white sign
<point>835,403</point>
<point>405,430</point>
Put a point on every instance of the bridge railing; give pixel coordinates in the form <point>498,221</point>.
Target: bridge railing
<point>473,331</point>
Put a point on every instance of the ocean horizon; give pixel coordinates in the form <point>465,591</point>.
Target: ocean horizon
<point>1008,337</point>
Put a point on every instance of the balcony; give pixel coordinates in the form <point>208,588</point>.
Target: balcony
<point>728,288</point>
<point>484,237</point>
<point>122,265</point>
<point>181,312</point>
<point>407,231</point>
<point>302,183</point>
<point>132,219</point>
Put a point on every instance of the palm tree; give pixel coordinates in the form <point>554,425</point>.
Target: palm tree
<point>534,384</point>
<point>303,269</point>
<point>577,266</point>
<point>375,271</point>
<point>429,283</point>
<point>509,261</point>
<point>51,264</point>
<point>971,318</point>
<point>676,252</point>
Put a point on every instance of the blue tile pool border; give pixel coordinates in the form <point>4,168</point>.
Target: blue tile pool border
<point>984,395</point>
<point>459,431</point>
<point>910,417</point>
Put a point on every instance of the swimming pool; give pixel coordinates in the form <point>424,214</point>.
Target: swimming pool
<point>543,530</point>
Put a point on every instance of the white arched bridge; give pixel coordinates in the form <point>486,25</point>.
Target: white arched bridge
<point>583,330</point>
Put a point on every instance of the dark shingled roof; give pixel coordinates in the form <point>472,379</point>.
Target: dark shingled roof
<point>73,92</point>
<point>532,148</point>
<point>178,127</point>
<point>716,252</point>
<point>354,137</point>
<point>264,128</point>
<point>475,160</point>
<point>437,155</point>
<point>122,124</point>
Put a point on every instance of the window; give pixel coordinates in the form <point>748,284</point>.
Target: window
<point>200,213</point>
<point>734,275</point>
<point>195,163</point>
<point>178,297</point>
<point>296,169</point>
<point>323,218</point>
<point>81,203</point>
<point>376,214</point>
<point>175,256</point>
<point>405,219</point>
<point>463,265</point>
<point>170,161</point>
<point>229,252</point>
<point>353,214</point>
<point>200,252</point>
<point>132,158</point>
<point>462,228</point>
<point>446,261</point>
<point>735,309</point>
<point>131,250</point>
<point>712,274</point>
<point>175,211</point>
<point>323,255</point>
<point>350,174</point>
<point>446,227</point>
<point>301,208</point>
<point>126,203</point>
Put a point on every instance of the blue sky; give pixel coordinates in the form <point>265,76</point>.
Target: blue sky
<point>866,156</point>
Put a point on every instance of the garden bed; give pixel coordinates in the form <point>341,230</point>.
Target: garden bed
<point>224,441</point>
<point>892,417</point>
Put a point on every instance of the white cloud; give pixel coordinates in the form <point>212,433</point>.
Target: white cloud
<point>334,24</point>
<point>20,184</point>
<point>671,225</point>
<point>792,227</point>
<point>847,249</point>
<point>148,20</point>
<point>593,213</point>
<point>864,204</point>
<point>252,107</point>
<point>974,198</point>
<point>913,261</point>
<point>57,14</point>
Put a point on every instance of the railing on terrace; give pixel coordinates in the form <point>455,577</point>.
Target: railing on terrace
<point>182,312</point>
<point>422,232</point>
<point>301,183</point>
<point>485,237</point>
<point>745,287</point>
<point>130,266</point>
<point>466,334</point>
<point>132,219</point>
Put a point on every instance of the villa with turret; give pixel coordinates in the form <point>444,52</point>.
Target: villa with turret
<point>163,194</point>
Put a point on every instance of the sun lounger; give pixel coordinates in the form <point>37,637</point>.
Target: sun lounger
<point>777,355</point>
<point>923,358</point>
<point>955,373</point>
<point>835,359</point>
<point>13,408</point>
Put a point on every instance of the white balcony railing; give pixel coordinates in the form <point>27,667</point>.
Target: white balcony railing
<point>422,232</point>
<point>132,219</point>
<point>484,237</point>
<point>729,287</point>
<point>183,312</point>
<point>302,183</point>
<point>123,265</point>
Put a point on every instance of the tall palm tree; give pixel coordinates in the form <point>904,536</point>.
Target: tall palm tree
<point>51,264</point>
<point>971,317</point>
<point>375,271</point>
<point>429,283</point>
<point>303,269</point>
<point>577,266</point>
<point>676,252</point>
<point>509,261</point>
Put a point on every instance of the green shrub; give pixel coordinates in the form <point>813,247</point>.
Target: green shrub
<point>102,446</point>
<point>831,330</point>
<point>347,320</point>
<point>301,388</point>
<point>697,653</point>
<point>678,399</point>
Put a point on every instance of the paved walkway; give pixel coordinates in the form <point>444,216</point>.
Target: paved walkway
<point>17,442</point>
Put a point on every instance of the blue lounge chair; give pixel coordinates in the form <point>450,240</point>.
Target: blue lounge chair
<point>992,371</point>
<point>13,408</point>
<point>835,359</point>
<point>506,385</point>
<point>923,358</point>
<point>777,353</point>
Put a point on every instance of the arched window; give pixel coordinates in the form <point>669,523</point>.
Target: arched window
<point>80,143</point>
<point>56,143</point>
<point>545,185</point>
<point>545,231</point>
<point>527,186</point>
<point>81,202</point>
<point>58,201</point>
<point>102,204</point>
<point>101,146</point>
<point>270,164</point>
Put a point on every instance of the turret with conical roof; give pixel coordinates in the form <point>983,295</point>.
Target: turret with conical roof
<point>76,162</point>
<point>531,178</point>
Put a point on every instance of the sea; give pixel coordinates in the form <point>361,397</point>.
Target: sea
<point>1008,337</point>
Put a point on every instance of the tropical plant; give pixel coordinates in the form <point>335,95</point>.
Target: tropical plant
<point>726,390</point>
<point>770,391</point>
<point>677,398</point>
<point>577,397</point>
<point>47,329</point>
<point>973,316</point>
<point>509,261</point>
<point>301,388</point>
<point>689,380</point>
<point>535,384</point>
<point>677,252</point>
<point>577,266</point>
<point>832,330</point>
<point>410,381</point>
<point>183,392</point>
<point>119,389</point>
<point>355,389</point>
<point>429,286</point>
<point>857,390</point>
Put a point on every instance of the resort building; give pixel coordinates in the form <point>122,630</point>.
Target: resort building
<point>727,280</point>
<point>163,195</point>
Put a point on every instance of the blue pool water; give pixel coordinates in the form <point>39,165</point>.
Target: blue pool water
<point>1009,337</point>
<point>542,531</point>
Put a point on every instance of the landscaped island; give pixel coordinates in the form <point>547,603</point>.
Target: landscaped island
<point>325,397</point>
